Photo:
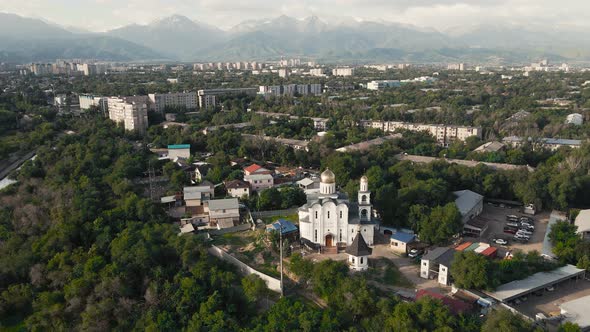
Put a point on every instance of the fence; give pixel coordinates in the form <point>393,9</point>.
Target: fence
<point>274,213</point>
<point>239,228</point>
<point>271,283</point>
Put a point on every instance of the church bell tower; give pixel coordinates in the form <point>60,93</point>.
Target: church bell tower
<point>364,200</point>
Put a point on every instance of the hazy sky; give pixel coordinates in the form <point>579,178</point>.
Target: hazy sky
<point>440,14</point>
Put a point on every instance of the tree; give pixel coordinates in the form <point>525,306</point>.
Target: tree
<point>442,223</point>
<point>254,287</point>
<point>569,327</point>
<point>470,270</point>
<point>503,320</point>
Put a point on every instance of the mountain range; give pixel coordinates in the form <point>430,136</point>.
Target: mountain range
<point>179,38</point>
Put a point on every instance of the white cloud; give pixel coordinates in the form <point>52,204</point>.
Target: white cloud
<point>440,14</point>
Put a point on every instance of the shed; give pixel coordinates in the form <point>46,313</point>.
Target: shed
<point>490,252</point>
<point>463,246</point>
<point>400,240</point>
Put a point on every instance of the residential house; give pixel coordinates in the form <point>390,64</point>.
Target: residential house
<point>179,151</point>
<point>201,170</point>
<point>399,241</point>
<point>256,169</point>
<point>260,181</point>
<point>197,195</point>
<point>436,264</point>
<point>223,213</point>
<point>237,188</point>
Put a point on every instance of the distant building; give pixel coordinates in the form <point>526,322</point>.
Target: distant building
<point>444,134</point>
<point>182,99</point>
<point>575,119</point>
<point>546,143</point>
<point>284,72</point>
<point>316,72</point>
<point>493,146</point>
<point>456,66</point>
<point>208,98</point>
<point>290,90</point>
<point>380,85</point>
<point>130,111</point>
<point>87,101</point>
<point>179,151</point>
<point>346,71</point>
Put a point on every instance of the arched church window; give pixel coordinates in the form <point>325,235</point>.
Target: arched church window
<point>364,198</point>
<point>361,260</point>
<point>364,213</point>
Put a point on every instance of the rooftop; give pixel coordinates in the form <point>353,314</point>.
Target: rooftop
<point>538,280</point>
<point>576,311</point>
<point>583,221</point>
<point>359,247</point>
<point>403,237</point>
<point>285,225</point>
<point>220,204</point>
<point>179,146</point>
<point>466,200</point>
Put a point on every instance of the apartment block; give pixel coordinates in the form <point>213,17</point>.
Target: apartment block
<point>444,134</point>
<point>290,90</point>
<point>87,101</point>
<point>346,71</point>
<point>161,101</point>
<point>131,111</point>
<point>208,98</point>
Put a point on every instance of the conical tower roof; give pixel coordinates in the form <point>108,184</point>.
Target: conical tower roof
<point>359,247</point>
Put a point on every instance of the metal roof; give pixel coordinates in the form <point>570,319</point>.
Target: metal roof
<point>576,311</point>
<point>517,288</point>
<point>220,204</point>
<point>467,200</point>
<point>179,146</point>
<point>583,221</point>
<point>403,237</point>
<point>359,247</point>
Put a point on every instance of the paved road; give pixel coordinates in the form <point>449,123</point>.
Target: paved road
<point>4,172</point>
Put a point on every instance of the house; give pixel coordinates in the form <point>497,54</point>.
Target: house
<point>187,228</point>
<point>493,146</point>
<point>201,170</point>
<point>308,184</point>
<point>455,306</point>
<point>436,264</point>
<point>260,181</point>
<point>237,188</point>
<point>287,228</point>
<point>197,195</point>
<point>399,241</point>
<point>255,169</point>
<point>583,223</point>
<point>223,213</point>
<point>469,203</point>
<point>179,151</point>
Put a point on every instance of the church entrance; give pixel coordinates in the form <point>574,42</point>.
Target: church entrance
<point>329,240</point>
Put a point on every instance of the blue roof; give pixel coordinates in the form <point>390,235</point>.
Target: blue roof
<point>179,146</point>
<point>287,226</point>
<point>403,237</point>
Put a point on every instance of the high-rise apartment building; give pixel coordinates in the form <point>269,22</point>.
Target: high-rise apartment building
<point>132,112</point>
<point>346,71</point>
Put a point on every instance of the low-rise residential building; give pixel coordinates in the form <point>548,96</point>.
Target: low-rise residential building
<point>237,188</point>
<point>544,143</point>
<point>343,71</point>
<point>223,213</point>
<point>366,145</point>
<point>179,151</point>
<point>201,170</point>
<point>493,146</point>
<point>382,84</point>
<point>583,223</point>
<point>259,182</point>
<point>197,195</point>
<point>436,264</point>
<point>255,169</point>
<point>181,99</point>
<point>399,241</point>
<point>444,134</point>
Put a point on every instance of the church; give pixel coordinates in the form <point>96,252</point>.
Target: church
<point>330,220</point>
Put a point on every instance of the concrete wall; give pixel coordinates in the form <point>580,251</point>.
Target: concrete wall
<point>271,283</point>
<point>238,228</point>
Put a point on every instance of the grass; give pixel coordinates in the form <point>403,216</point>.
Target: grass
<point>294,218</point>
<point>234,239</point>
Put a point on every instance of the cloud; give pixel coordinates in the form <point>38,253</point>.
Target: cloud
<point>440,14</point>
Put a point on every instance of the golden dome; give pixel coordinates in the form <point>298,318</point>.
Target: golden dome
<point>328,176</point>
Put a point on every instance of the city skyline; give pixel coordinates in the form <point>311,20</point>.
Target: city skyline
<point>104,15</point>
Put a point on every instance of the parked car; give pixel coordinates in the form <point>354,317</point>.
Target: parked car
<point>513,224</point>
<point>511,216</point>
<point>529,228</point>
<point>500,241</point>
<point>521,237</point>
<point>527,219</point>
<point>525,232</point>
<point>414,253</point>
<point>510,230</point>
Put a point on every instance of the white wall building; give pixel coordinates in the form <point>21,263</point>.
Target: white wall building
<point>130,111</point>
<point>444,134</point>
<point>346,71</point>
<point>329,219</point>
<point>161,101</point>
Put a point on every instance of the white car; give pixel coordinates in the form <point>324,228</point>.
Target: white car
<point>501,242</point>
<point>524,232</point>
<point>414,253</point>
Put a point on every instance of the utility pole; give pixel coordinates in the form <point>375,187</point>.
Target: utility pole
<point>281,254</point>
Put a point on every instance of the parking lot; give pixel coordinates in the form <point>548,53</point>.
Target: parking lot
<point>496,218</point>
<point>548,303</point>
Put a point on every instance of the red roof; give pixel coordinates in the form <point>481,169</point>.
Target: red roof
<point>490,252</point>
<point>463,246</point>
<point>456,306</point>
<point>252,168</point>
